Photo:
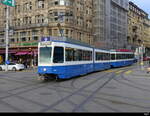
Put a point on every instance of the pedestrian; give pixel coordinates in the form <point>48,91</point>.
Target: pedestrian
<point>148,69</point>
<point>149,63</point>
<point>25,64</point>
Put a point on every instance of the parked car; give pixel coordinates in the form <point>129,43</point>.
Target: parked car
<point>146,58</point>
<point>12,66</point>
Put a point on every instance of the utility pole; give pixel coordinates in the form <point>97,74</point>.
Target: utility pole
<point>7,37</point>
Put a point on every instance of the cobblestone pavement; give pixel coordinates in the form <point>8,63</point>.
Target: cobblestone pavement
<point>116,90</point>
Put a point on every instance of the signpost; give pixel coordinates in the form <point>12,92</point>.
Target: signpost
<point>8,3</point>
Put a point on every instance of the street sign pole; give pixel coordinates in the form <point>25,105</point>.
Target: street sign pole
<point>7,41</point>
<point>8,3</point>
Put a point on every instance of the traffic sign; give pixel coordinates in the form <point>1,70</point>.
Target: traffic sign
<point>7,62</point>
<point>8,2</point>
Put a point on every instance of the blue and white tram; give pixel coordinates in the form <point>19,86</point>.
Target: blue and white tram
<point>63,60</point>
<point>120,59</point>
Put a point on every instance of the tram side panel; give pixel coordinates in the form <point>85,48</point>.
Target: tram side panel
<point>120,59</point>
<point>101,60</point>
<point>78,60</point>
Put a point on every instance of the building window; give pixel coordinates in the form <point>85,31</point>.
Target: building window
<point>56,2</point>
<point>62,2</point>
<point>35,38</point>
<point>40,4</point>
<point>12,40</point>
<point>23,39</point>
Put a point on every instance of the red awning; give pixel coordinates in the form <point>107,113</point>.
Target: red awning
<point>123,50</point>
<point>10,51</point>
<point>21,53</point>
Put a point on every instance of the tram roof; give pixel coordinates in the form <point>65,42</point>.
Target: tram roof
<point>65,40</point>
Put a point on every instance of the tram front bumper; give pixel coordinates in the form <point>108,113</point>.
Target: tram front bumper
<point>45,70</point>
<point>50,70</point>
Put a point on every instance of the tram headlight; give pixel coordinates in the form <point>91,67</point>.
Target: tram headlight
<point>44,69</point>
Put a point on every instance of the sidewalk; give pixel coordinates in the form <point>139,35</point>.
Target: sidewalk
<point>140,71</point>
<point>31,69</point>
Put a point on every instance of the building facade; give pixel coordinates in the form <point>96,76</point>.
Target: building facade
<point>138,28</point>
<point>110,23</point>
<point>32,19</point>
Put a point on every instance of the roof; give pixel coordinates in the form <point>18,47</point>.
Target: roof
<point>66,40</point>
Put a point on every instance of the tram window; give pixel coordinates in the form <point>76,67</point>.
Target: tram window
<point>58,55</point>
<point>113,57</point>
<point>98,56</point>
<point>83,55</point>
<point>69,54</point>
<point>107,56</point>
<point>128,56</point>
<point>78,55</point>
<point>45,54</point>
<point>117,56</point>
<point>90,53</point>
<point>87,55</point>
<point>102,56</point>
<point>125,56</point>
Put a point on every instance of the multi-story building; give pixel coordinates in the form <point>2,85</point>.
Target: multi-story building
<point>99,22</point>
<point>138,27</point>
<point>110,23</point>
<point>32,19</point>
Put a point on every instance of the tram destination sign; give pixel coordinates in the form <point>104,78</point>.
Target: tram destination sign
<point>45,39</point>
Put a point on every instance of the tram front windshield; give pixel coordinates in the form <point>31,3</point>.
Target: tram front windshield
<point>45,55</point>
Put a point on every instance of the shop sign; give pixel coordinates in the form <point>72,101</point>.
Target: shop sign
<point>28,44</point>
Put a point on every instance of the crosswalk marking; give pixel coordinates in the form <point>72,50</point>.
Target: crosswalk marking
<point>128,72</point>
<point>118,72</point>
<point>110,71</point>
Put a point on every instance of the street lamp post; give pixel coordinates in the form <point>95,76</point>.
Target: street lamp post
<point>60,17</point>
<point>142,55</point>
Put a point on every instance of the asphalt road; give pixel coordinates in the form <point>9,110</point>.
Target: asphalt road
<point>116,90</point>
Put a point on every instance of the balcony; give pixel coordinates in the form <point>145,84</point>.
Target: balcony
<point>28,26</point>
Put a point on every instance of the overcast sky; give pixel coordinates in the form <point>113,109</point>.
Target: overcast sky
<point>143,4</point>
